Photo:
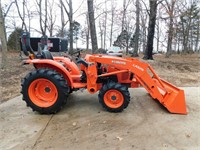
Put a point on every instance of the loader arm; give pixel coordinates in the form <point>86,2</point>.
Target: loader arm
<point>167,94</point>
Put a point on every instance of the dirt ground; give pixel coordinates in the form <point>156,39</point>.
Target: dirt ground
<point>180,70</point>
<point>11,76</point>
<point>84,124</point>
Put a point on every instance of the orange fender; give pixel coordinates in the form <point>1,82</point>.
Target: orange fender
<point>52,64</point>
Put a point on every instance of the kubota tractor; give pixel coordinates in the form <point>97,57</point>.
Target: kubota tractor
<point>46,88</point>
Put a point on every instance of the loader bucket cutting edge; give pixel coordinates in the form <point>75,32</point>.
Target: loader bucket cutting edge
<point>174,99</point>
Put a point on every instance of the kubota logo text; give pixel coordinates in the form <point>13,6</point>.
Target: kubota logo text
<point>138,67</point>
<point>118,62</point>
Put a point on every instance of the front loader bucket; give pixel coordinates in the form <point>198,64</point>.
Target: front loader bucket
<point>173,98</point>
<point>167,94</point>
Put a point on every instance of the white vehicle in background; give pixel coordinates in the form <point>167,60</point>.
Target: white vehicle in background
<point>115,51</point>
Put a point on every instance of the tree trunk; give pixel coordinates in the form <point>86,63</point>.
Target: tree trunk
<point>105,26</point>
<point>170,37</point>
<point>112,22</point>
<point>71,23</point>
<point>151,30</point>
<point>191,38</point>
<point>70,27</point>
<point>101,33</point>
<point>186,48</point>
<point>137,30</point>
<point>40,13</point>
<point>123,15</point>
<point>62,19</point>
<point>143,21</point>
<point>45,20</point>
<point>158,31</point>
<point>175,42</point>
<point>3,43</point>
<point>178,44</point>
<point>197,38</point>
<point>88,32</point>
<point>111,27</point>
<point>127,44</point>
<point>70,38</point>
<point>51,18</point>
<point>22,17</point>
<point>186,36</point>
<point>184,45</point>
<point>87,39</point>
<point>92,26</point>
<point>158,35</point>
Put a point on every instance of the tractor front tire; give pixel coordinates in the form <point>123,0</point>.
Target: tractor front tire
<point>45,91</point>
<point>114,97</point>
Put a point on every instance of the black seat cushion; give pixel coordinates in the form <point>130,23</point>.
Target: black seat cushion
<point>46,54</point>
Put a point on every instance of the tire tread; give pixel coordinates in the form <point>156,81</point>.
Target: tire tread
<point>63,90</point>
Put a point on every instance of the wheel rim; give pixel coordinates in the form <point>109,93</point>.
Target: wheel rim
<point>113,98</point>
<point>43,92</point>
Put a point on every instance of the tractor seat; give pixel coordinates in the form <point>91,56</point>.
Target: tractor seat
<point>43,52</point>
<point>46,54</point>
<point>26,44</point>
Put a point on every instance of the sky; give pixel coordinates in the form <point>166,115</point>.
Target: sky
<point>79,7</point>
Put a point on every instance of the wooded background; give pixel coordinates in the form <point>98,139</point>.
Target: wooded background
<point>164,26</point>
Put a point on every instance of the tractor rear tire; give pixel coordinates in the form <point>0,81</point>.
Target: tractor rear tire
<point>45,91</point>
<point>114,97</point>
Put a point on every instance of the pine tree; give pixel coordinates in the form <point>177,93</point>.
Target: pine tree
<point>13,39</point>
<point>123,40</point>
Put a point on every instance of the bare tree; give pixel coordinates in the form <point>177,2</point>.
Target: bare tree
<point>22,16</point>
<point>198,34</point>
<point>3,43</point>
<point>105,25</point>
<point>124,14</point>
<point>113,8</point>
<point>158,29</point>
<point>148,54</point>
<point>102,23</point>
<point>188,19</point>
<point>51,18</point>
<point>101,32</point>
<point>69,13</point>
<point>92,25</point>
<point>169,6</point>
<point>144,28</point>
<point>85,32</point>
<point>129,28</point>
<point>63,21</point>
<point>29,16</point>
<point>137,30</point>
<point>43,17</point>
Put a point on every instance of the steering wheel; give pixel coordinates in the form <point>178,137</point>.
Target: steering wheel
<point>78,52</point>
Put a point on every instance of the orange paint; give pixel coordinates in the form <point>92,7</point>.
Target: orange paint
<point>113,98</point>
<point>129,71</point>
<point>42,92</point>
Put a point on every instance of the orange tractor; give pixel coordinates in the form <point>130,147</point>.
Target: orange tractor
<point>46,88</point>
